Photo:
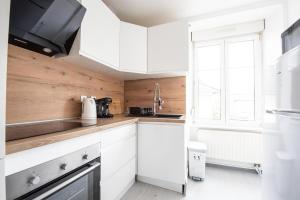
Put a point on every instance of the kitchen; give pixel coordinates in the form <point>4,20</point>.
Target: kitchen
<point>108,101</point>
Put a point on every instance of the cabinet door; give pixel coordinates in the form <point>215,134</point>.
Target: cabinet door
<point>162,152</point>
<point>99,39</point>
<point>115,157</point>
<point>117,185</point>
<point>168,47</point>
<point>133,48</point>
<point>118,134</point>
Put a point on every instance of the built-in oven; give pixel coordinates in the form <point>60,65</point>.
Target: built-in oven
<point>75,176</point>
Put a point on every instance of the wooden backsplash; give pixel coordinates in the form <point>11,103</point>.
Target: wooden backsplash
<point>173,92</point>
<point>42,88</point>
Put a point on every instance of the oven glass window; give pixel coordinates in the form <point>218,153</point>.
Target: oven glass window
<point>78,190</point>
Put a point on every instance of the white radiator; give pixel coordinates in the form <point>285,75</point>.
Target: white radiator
<point>231,147</point>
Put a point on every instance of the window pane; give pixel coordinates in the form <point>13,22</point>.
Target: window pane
<point>209,79</point>
<point>209,57</point>
<point>241,80</point>
<point>209,107</point>
<point>210,94</point>
<point>241,107</point>
<point>241,86</point>
<point>240,54</point>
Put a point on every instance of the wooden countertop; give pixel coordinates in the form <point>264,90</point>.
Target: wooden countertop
<point>102,124</point>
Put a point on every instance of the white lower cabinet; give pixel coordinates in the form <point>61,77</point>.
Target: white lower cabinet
<point>162,154</point>
<point>118,161</point>
<point>116,156</point>
<point>116,135</point>
<point>117,185</point>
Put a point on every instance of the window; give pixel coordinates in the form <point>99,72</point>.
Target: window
<point>227,76</point>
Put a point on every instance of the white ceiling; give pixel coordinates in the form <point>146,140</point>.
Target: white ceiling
<point>153,12</point>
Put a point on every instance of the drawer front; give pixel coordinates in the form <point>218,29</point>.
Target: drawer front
<point>112,188</point>
<point>115,156</point>
<point>117,134</point>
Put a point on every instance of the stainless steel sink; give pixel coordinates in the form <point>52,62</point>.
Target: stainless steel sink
<point>168,116</point>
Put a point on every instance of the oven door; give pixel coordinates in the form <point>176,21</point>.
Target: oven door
<point>80,184</point>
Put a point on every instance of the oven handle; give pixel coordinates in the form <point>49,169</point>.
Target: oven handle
<point>69,181</point>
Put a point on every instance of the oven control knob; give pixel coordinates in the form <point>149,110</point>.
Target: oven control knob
<point>34,180</point>
<point>85,157</point>
<point>63,166</point>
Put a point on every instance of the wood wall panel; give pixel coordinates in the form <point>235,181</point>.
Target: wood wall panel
<point>42,88</point>
<point>173,92</point>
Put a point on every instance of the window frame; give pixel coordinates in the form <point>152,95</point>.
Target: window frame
<point>225,121</point>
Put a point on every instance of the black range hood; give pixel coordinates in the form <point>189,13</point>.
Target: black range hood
<point>48,27</point>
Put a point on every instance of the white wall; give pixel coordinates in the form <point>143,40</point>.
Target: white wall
<point>293,11</point>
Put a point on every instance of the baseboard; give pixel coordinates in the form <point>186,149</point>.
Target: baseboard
<point>131,183</point>
<point>231,163</point>
<point>163,184</point>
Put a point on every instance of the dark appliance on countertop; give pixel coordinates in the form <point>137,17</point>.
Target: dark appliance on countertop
<point>48,27</point>
<point>73,176</point>
<point>139,111</point>
<point>291,37</point>
<point>21,131</point>
<point>103,107</point>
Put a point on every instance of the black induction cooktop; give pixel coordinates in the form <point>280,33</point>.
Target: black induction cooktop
<point>21,131</point>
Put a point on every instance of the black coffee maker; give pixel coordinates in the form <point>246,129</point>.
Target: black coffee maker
<point>103,107</point>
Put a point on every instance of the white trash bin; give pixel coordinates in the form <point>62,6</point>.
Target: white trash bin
<point>197,159</point>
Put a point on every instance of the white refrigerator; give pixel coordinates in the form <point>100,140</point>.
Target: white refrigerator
<point>281,169</point>
<point>4,22</point>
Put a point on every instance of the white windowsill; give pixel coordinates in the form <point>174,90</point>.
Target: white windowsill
<point>222,128</point>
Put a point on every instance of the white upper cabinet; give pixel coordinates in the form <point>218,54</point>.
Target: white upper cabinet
<point>133,48</point>
<point>106,43</point>
<point>99,34</point>
<point>168,48</point>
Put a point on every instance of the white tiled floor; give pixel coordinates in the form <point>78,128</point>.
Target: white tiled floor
<point>221,183</point>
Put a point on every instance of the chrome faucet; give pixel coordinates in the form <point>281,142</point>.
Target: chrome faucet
<point>157,99</point>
